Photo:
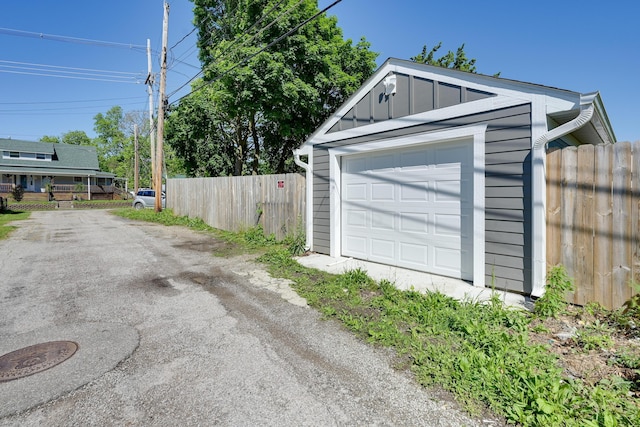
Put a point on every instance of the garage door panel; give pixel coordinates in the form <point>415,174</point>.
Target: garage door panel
<point>357,246</point>
<point>356,192</point>
<point>447,225</point>
<point>414,222</point>
<point>382,163</point>
<point>383,249</point>
<point>356,165</point>
<point>418,255</point>
<point>415,159</point>
<point>418,208</point>
<point>383,220</point>
<point>447,191</point>
<point>383,191</point>
<point>356,218</point>
<point>417,191</point>
<point>447,259</point>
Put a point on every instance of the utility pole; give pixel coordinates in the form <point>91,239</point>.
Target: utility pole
<point>136,167</point>
<point>161,107</point>
<point>152,139</point>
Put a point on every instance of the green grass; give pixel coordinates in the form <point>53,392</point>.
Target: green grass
<point>8,216</point>
<point>480,352</point>
<point>249,240</point>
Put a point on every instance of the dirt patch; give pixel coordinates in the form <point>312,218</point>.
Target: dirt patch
<point>592,346</point>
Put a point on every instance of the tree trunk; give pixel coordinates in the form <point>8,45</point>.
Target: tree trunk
<point>256,145</point>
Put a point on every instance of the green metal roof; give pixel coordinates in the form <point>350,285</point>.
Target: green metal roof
<point>16,170</point>
<point>26,146</point>
<point>66,159</point>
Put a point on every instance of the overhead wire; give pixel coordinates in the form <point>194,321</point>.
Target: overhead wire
<point>68,39</point>
<point>69,77</point>
<point>66,102</point>
<point>244,42</point>
<point>183,38</point>
<point>68,72</point>
<point>287,34</point>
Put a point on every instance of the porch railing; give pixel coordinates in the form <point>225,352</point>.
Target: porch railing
<point>73,188</point>
<point>67,188</point>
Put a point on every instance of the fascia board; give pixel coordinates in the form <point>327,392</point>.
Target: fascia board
<point>371,82</point>
<point>498,85</point>
<point>466,108</point>
<point>556,100</point>
<point>604,119</point>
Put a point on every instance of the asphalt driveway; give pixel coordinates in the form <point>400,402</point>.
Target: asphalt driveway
<point>169,335</point>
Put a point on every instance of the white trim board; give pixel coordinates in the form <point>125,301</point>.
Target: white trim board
<point>474,134</point>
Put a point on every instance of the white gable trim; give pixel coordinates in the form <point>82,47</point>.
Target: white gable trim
<point>555,100</point>
<point>459,110</point>
<point>475,134</point>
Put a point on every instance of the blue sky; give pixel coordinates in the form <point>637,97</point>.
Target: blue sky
<point>581,46</point>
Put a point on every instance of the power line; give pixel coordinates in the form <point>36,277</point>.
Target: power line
<point>92,107</point>
<point>210,39</point>
<point>16,64</point>
<point>68,77</point>
<point>68,39</point>
<point>237,39</point>
<point>67,102</point>
<point>287,34</point>
<point>28,68</point>
<point>183,38</point>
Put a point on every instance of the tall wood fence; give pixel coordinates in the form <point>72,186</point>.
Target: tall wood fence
<point>276,202</point>
<point>593,220</point>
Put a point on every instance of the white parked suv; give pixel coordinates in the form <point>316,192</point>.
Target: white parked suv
<point>146,198</point>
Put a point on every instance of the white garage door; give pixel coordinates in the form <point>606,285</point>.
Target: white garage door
<point>411,208</point>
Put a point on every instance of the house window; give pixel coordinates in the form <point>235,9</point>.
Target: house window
<point>41,156</point>
<point>77,179</point>
<point>14,154</point>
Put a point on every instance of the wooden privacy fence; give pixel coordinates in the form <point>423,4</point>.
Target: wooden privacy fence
<point>593,220</point>
<point>276,202</point>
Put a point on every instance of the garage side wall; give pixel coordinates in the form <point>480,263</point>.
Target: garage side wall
<point>507,191</point>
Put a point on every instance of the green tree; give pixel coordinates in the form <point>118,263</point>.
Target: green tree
<point>110,140</point>
<point>457,61</point>
<point>50,138</point>
<point>198,136</point>
<point>76,137</point>
<point>258,104</point>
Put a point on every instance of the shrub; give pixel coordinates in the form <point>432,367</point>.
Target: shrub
<point>553,302</point>
<point>17,193</point>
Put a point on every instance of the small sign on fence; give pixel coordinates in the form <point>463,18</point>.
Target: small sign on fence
<point>280,183</point>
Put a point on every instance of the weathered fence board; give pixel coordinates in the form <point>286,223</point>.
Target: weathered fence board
<point>275,202</point>
<point>593,224</point>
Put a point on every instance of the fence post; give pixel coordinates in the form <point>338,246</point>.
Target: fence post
<point>554,206</point>
<point>621,241</point>
<point>635,213</point>
<point>583,226</point>
<point>602,225</point>
<point>569,190</point>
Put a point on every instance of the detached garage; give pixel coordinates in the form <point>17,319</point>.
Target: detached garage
<point>442,171</point>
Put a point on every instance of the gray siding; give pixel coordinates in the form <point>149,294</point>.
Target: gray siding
<point>321,213</point>
<point>507,197</point>
<point>414,95</point>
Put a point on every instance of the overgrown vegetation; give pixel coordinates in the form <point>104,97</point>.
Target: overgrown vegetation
<point>553,302</point>
<point>479,351</point>
<point>488,355</point>
<point>8,216</point>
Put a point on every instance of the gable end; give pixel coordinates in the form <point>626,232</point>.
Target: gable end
<point>414,95</point>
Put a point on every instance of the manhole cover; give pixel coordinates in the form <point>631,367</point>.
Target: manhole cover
<point>36,358</point>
